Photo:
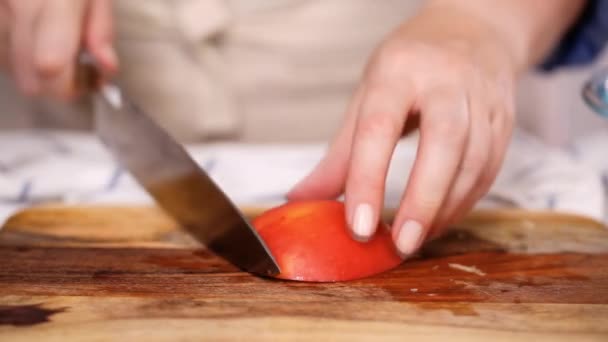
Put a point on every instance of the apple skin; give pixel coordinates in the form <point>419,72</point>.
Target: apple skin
<point>311,242</point>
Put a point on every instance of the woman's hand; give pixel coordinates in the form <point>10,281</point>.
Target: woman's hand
<point>46,36</point>
<point>459,84</point>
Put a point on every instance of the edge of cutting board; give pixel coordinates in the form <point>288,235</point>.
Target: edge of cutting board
<point>49,212</point>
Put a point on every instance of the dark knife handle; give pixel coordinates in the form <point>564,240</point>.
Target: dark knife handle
<point>88,77</point>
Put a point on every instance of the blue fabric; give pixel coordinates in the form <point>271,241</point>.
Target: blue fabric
<point>585,40</point>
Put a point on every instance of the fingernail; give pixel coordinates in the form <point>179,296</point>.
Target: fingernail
<point>363,221</point>
<point>409,237</point>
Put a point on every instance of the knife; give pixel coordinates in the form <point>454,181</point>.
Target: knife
<point>172,178</point>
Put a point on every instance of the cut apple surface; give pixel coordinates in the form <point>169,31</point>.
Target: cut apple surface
<point>310,241</point>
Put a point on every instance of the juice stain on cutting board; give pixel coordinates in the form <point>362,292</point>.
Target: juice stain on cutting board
<point>26,315</point>
<point>461,267</point>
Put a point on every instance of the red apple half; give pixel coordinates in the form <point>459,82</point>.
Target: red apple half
<point>311,242</point>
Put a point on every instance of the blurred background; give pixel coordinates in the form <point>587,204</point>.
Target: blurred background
<point>268,71</point>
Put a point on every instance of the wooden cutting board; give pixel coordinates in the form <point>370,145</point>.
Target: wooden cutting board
<point>116,273</point>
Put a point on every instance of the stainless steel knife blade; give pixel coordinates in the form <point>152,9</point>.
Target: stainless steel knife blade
<point>184,190</point>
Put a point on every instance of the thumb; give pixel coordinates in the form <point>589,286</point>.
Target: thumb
<point>327,179</point>
<point>99,34</point>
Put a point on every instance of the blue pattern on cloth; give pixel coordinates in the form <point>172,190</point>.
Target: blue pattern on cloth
<point>25,192</point>
<point>534,176</point>
<point>584,41</point>
<point>114,179</point>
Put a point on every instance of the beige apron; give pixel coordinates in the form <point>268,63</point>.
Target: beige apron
<point>253,70</point>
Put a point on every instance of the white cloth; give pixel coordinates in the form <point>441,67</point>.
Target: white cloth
<point>57,167</point>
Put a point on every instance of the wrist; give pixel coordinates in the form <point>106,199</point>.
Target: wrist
<point>467,24</point>
<point>469,37</point>
<point>525,29</point>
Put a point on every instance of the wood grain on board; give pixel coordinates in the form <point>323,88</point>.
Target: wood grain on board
<point>70,273</point>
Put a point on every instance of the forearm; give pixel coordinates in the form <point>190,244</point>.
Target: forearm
<point>529,28</point>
